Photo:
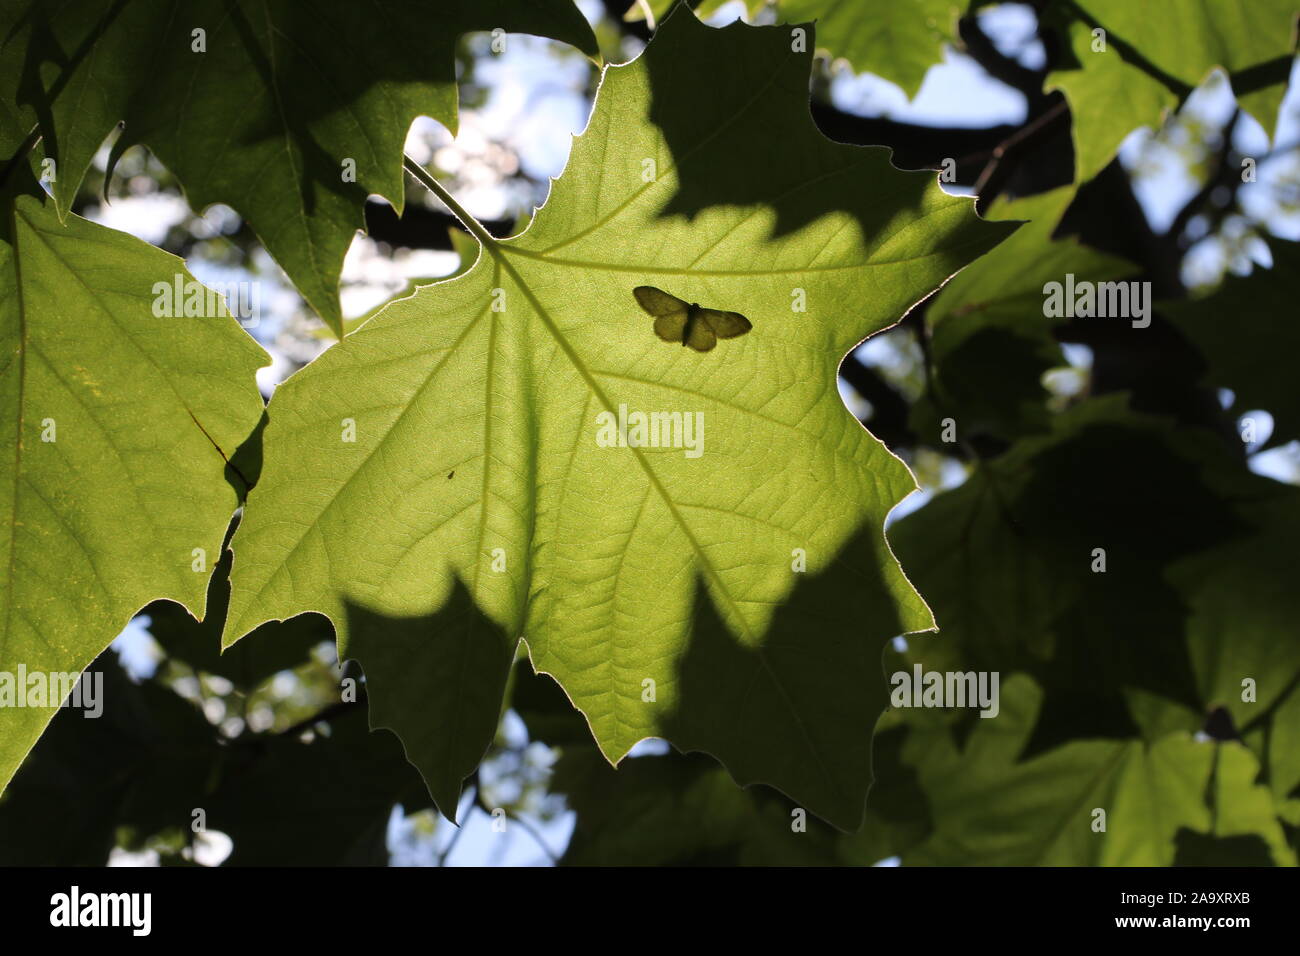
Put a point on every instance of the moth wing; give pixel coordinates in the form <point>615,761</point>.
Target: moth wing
<point>670,327</point>
<point>725,325</point>
<point>701,337</point>
<point>658,302</point>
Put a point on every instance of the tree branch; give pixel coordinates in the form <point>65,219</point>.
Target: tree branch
<point>976,43</point>
<point>1221,175</point>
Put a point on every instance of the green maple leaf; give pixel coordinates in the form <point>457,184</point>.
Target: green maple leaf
<point>1142,653</point>
<point>267,117</point>
<point>143,765</point>
<point>320,802</point>
<point>1151,61</point>
<point>1022,530</point>
<point>1277,739</point>
<point>1241,601</point>
<point>1266,300</point>
<point>898,41</point>
<point>153,758</point>
<point>990,341</point>
<point>992,806</point>
<point>474,505</point>
<point>678,811</point>
<point>119,425</point>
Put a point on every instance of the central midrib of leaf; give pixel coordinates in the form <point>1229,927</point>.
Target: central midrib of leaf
<point>501,257</point>
<point>611,407</point>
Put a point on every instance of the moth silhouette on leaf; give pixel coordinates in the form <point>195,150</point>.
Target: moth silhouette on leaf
<point>619,566</point>
<point>688,323</point>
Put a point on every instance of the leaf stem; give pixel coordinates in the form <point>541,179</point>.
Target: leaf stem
<point>438,189</point>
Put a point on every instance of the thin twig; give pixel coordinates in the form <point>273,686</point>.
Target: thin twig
<point>523,824</point>
<point>1212,182</point>
<point>998,171</point>
<point>324,715</point>
<point>455,837</point>
<point>437,188</point>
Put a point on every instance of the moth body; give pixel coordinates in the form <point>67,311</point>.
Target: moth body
<point>692,317</point>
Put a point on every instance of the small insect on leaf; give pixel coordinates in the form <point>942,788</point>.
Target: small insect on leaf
<point>687,323</point>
